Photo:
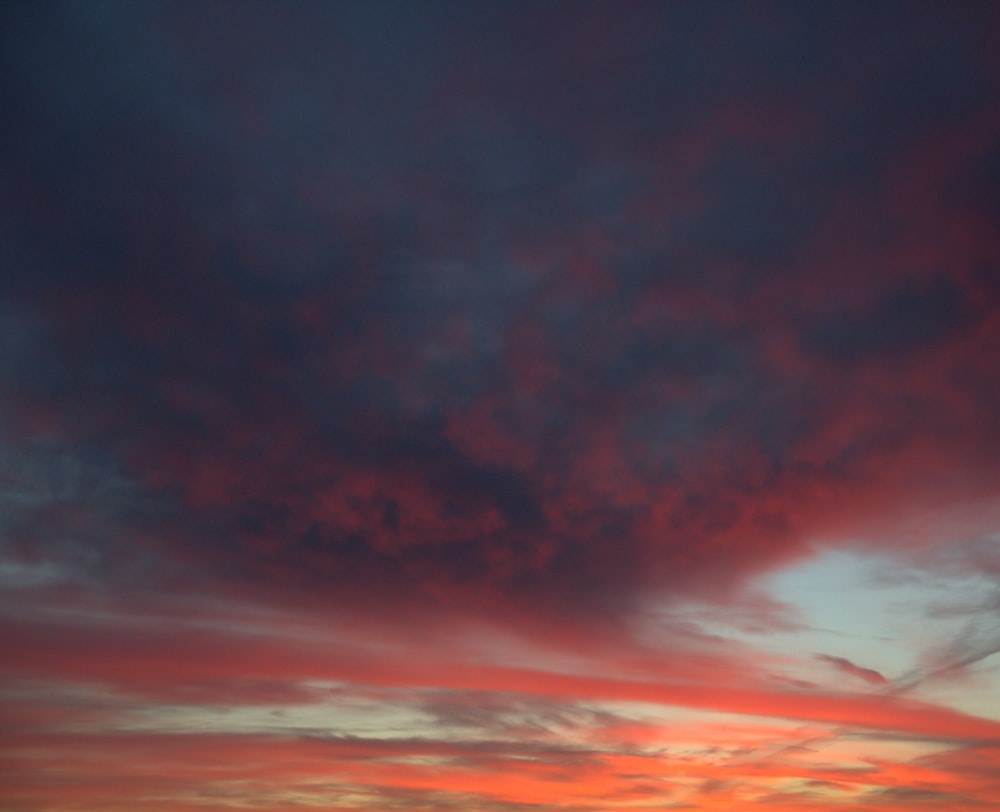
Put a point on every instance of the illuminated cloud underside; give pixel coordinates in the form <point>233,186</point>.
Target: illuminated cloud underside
<point>494,408</point>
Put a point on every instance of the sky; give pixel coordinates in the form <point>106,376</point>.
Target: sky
<point>499,407</point>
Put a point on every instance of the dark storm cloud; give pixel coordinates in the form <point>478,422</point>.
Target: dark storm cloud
<point>372,303</point>
<point>897,326</point>
<point>752,219</point>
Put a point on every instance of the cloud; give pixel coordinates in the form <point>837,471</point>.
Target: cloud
<point>845,666</point>
<point>978,640</point>
<point>425,391</point>
<point>424,350</point>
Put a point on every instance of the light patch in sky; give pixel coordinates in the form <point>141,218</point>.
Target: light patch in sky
<point>343,716</point>
<point>888,615</point>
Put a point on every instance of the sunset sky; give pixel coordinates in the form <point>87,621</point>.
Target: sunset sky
<point>499,406</point>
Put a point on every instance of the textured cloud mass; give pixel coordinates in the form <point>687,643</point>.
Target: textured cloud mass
<point>408,404</point>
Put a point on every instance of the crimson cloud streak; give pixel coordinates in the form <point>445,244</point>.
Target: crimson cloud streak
<point>476,406</point>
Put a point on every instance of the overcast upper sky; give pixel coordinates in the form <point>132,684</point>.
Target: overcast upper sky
<point>499,406</point>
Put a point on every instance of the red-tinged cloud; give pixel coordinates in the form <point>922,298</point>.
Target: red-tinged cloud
<point>521,359</point>
<point>215,669</point>
<point>233,768</point>
<point>392,327</point>
<point>845,666</point>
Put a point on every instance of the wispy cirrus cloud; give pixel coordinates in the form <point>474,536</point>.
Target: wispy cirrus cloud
<point>845,666</point>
